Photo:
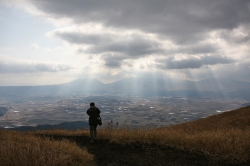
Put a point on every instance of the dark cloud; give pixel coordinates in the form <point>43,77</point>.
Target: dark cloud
<point>32,67</point>
<point>187,24</point>
<point>116,49</point>
<point>192,49</point>
<point>133,45</point>
<point>112,60</point>
<point>83,38</point>
<point>232,37</point>
<point>191,62</point>
<point>113,63</point>
<point>182,21</point>
<point>199,49</point>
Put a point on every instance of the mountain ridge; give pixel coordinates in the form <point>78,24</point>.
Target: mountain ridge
<point>143,86</point>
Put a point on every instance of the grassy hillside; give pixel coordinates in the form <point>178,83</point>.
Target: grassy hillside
<point>225,135</point>
<point>25,149</point>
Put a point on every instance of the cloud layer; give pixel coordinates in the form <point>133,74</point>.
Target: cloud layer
<point>182,21</point>
<point>192,62</point>
<point>139,29</point>
<point>117,38</point>
<point>11,65</point>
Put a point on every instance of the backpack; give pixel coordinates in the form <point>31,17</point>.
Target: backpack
<point>99,121</point>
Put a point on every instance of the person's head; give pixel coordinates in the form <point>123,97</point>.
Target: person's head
<point>92,104</point>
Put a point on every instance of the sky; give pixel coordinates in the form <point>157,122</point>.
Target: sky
<point>57,41</point>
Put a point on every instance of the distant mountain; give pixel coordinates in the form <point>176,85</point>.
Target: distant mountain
<point>143,86</point>
<point>225,84</point>
<point>77,86</point>
<point>148,85</point>
<point>224,87</point>
<point>84,85</point>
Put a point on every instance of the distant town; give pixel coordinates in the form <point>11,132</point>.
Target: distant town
<point>116,110</point>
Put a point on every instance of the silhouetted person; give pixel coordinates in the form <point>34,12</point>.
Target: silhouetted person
<point>93,113</point>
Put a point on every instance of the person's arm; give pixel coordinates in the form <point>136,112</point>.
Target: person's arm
<point>87,112</point>
<point>98,112</point>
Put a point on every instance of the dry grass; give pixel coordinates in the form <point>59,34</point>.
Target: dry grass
<point>24,149</point>
<point>226,134</point>
<point>228,143</point>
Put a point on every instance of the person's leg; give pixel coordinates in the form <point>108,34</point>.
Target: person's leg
<point>92,136</point>
<point>95,134</point>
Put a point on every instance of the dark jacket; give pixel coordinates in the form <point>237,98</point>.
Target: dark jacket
<point>93,113</point>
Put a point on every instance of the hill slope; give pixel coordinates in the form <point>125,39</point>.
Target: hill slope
<point>238,119</point>
<point>217,140</point>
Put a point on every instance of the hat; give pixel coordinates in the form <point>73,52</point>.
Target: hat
<point>92,104</point>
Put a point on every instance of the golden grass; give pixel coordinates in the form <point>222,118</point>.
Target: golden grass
<point>228,143</point>
<point>24,149</point>
<point>226,134</point>
<point>233,143</point>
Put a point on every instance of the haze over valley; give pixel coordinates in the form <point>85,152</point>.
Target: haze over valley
<point>124,106</point>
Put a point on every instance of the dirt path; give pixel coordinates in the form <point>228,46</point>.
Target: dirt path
<point>137,154</point>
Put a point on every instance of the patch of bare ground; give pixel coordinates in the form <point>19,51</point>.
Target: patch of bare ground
<point>141,154</point>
